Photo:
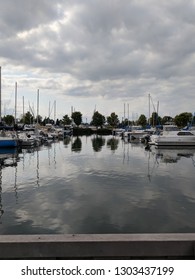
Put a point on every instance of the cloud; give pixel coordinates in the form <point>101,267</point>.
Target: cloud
<point>118,50</point>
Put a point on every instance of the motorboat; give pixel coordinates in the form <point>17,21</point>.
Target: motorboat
<point>135,132</point>
<point>173,136</point>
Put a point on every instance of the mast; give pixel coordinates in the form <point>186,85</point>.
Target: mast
<point>54,111</point>
<point>149,109</point>
<point>23,107</point>
<point>15,101</point>
<point>0,93</point>
<point>37,105</point>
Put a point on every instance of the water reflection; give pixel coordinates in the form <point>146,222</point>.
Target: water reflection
<point>113,143</point>
<point>8,158</point>
<point>1,205</point>
<point>67,141</point>
<point>77,145</point>
<point>98,142</point>
<point>58,191</point>
<point>173,155</point>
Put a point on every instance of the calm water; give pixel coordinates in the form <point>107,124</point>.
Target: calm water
<point>97,185</point>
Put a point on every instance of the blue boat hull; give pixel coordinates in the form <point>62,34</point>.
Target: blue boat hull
<point>8,143</point>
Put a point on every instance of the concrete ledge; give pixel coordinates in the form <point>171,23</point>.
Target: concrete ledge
<point>89,246</point>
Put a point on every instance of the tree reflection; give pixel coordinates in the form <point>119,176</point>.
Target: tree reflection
<point>98,142</point>
<point>113,144</point>
<point>77,145</point>
<point>67,141</point>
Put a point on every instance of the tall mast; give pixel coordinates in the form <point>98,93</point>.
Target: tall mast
<point>0,93</point>
<point>23,107</point>
<point>15,101</point>
<point>149,109</point>
<point>37,105</point>
<point>54,111</point>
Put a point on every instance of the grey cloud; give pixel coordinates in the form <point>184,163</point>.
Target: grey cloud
<point>128,44</point>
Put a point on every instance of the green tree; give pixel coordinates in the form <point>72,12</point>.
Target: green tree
<point>98,119</point>
<point>28,118</point>
<point>77,118</point>
<point>57,122</point>
<point>113,120</point>
<point>66,120</point>
<point>126,122</point>
<point>142,120</point>
<point>9,119</point>
<point>39,119</point>
<point>183,119</point>
<point>167,119</point>
<point>155,119</point>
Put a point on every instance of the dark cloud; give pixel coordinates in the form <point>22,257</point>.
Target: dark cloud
<point>129,44</point>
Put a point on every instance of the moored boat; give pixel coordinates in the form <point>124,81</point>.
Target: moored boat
<point>175,137</point>
<point>8,142</point>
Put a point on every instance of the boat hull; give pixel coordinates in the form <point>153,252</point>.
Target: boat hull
<point>175,141</point>
<point>8,143</point>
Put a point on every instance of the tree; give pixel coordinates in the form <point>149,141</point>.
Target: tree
<point>126,122</point>
<point>39,119</point>
<point>77,118</point>
<point>98,119</point>
<point>57,122</point>
<point>142,120</point>
<point>183,119</point>
<point>113,120</point>
<point>155,119</point>
<point>28,118</point>
<point>167,119</point>
<point>66,120</point>
<point>9,119</point>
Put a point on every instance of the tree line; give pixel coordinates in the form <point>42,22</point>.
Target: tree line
<point>99,120</point>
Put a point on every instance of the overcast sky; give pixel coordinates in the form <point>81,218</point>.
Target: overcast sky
<point>97,54</point>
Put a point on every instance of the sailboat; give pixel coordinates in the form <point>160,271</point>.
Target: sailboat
<point>7,139</point>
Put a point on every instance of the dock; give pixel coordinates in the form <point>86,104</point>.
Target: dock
<point>98,246</point>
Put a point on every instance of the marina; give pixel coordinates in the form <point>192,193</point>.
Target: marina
<point>96,185</point>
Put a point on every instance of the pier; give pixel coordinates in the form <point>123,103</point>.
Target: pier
<point>98,246</point>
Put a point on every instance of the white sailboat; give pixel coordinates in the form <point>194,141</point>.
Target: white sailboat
<point>7,139</point>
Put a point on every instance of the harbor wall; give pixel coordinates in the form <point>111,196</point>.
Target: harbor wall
<point>98,246</point>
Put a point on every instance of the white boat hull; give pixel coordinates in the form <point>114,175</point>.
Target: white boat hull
<point>175,141</point>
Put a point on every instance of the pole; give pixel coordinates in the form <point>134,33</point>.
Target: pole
<point>0,93</point>
<point>37,105</point>
<point>23,108</point>
<point>149,109</point>
<point>15,101</point>
<point>54,111</point>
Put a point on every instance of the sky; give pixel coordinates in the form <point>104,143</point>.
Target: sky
<point>108,56</point>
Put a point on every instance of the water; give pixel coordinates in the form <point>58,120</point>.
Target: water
<point>97,185</point>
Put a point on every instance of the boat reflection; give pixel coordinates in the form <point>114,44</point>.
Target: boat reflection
<point>157,158</point>
<point>173,155</point>
<point>8,158</point>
